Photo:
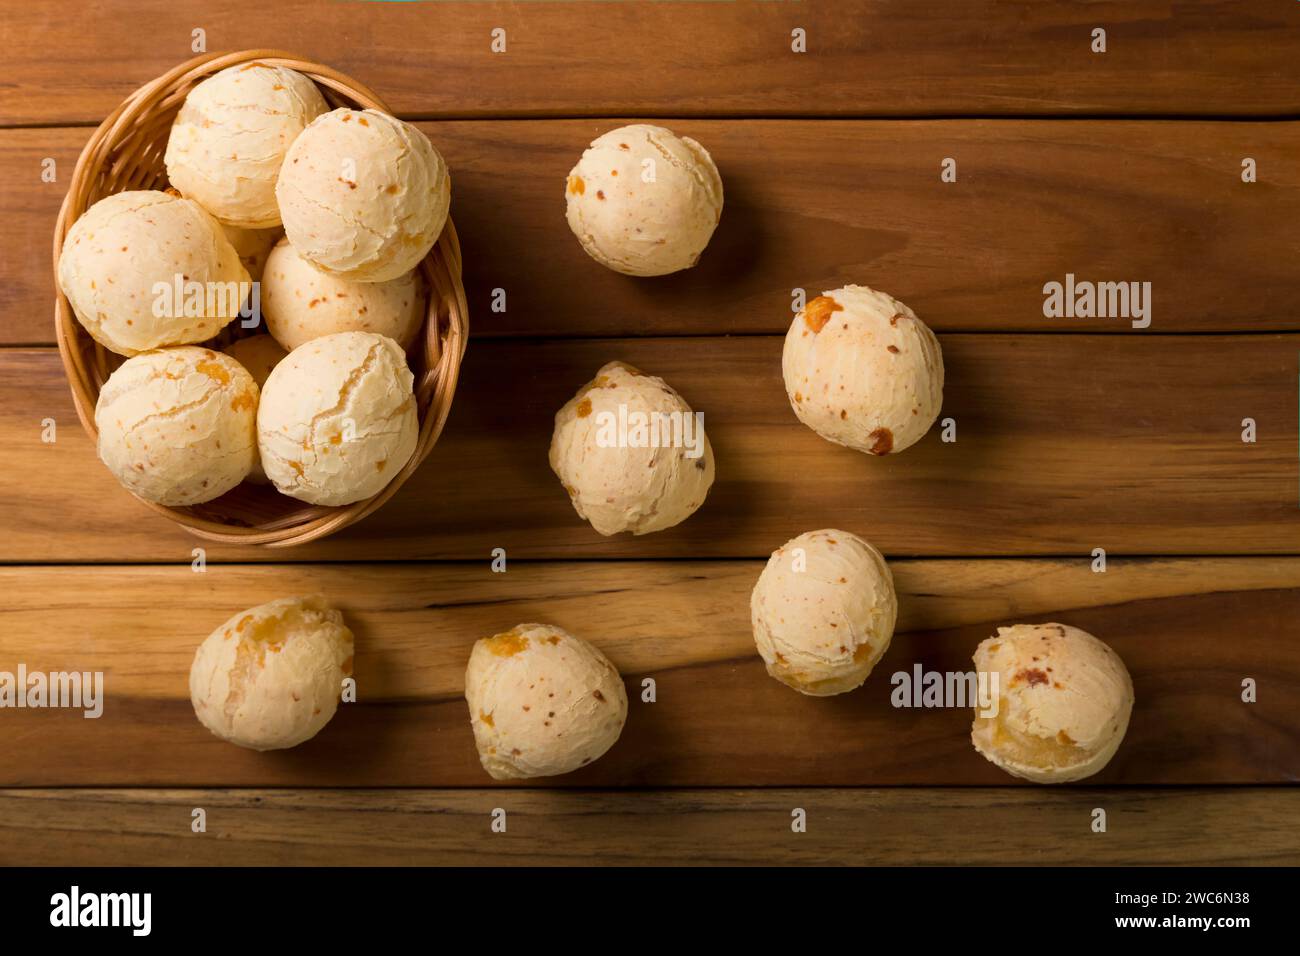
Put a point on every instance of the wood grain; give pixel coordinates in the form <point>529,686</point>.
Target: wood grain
<point>1233,827</point>
<point>818,204</point>
<point>884,57</point>
<point>1188,630</point>
<point>1064,444</point>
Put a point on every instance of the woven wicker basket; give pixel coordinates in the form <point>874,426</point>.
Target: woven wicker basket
<point>126,152</point>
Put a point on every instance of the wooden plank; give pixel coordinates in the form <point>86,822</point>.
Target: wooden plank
<point>1064,444</point>
<point>817,204</point>
<point>1233,827</point>
<point>1189,631</point>
<point>885,57</point>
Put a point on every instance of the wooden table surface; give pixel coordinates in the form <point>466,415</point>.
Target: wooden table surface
<point>1072,435</point>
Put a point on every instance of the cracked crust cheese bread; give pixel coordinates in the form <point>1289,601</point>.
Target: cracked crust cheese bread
<point>1064,700</point>
<point>177,426</point>
<point>363,195</point>
<point>542,702</point>
<point>301,303</point>
<point>271,676</point>
<point>823,612</point>
<point>337,419</point>
<point>863,371</point>
<point>644,201</point>
<point>228,142</point>
<point>125,256</point>
<point>615,480</point>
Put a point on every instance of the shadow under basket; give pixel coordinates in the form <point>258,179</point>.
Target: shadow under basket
<point>126,152</point>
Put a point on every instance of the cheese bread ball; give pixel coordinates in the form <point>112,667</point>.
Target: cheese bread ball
<point>337,419</point>
<point>1063,706</point>
<point>863,371</point>
<point>644,201</point>
<point>253,247</point>
<point>258,354</point>
<point>229,140</point>
<point>624,478</point>
<point>363,195</point>
<point>271,676</point>
<point>542,702</point>
<point>177,426</point>
<point>301,303</point>
<point>121,263</point>
<point>823,612</point>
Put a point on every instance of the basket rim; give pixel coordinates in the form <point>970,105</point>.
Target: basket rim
<point>445,330</point>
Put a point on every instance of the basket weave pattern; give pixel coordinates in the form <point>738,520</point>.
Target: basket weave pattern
<point>126,152</point>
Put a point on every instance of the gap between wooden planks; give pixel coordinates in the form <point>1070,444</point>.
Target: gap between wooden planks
<point>1242,826</point>
<point>1064,444</point>
<point>889,58</point>
<point>1147,70</point>
<point>1189,631</point>
<point>817,205</point>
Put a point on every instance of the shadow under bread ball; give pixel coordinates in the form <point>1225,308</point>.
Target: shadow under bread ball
<point>124,258</point>
<point>178,426</point>
<point>863,371</point>
<point>823,612</point>
<point>542,702</point>
<point>1064,702</point>
<point>271,676</point>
